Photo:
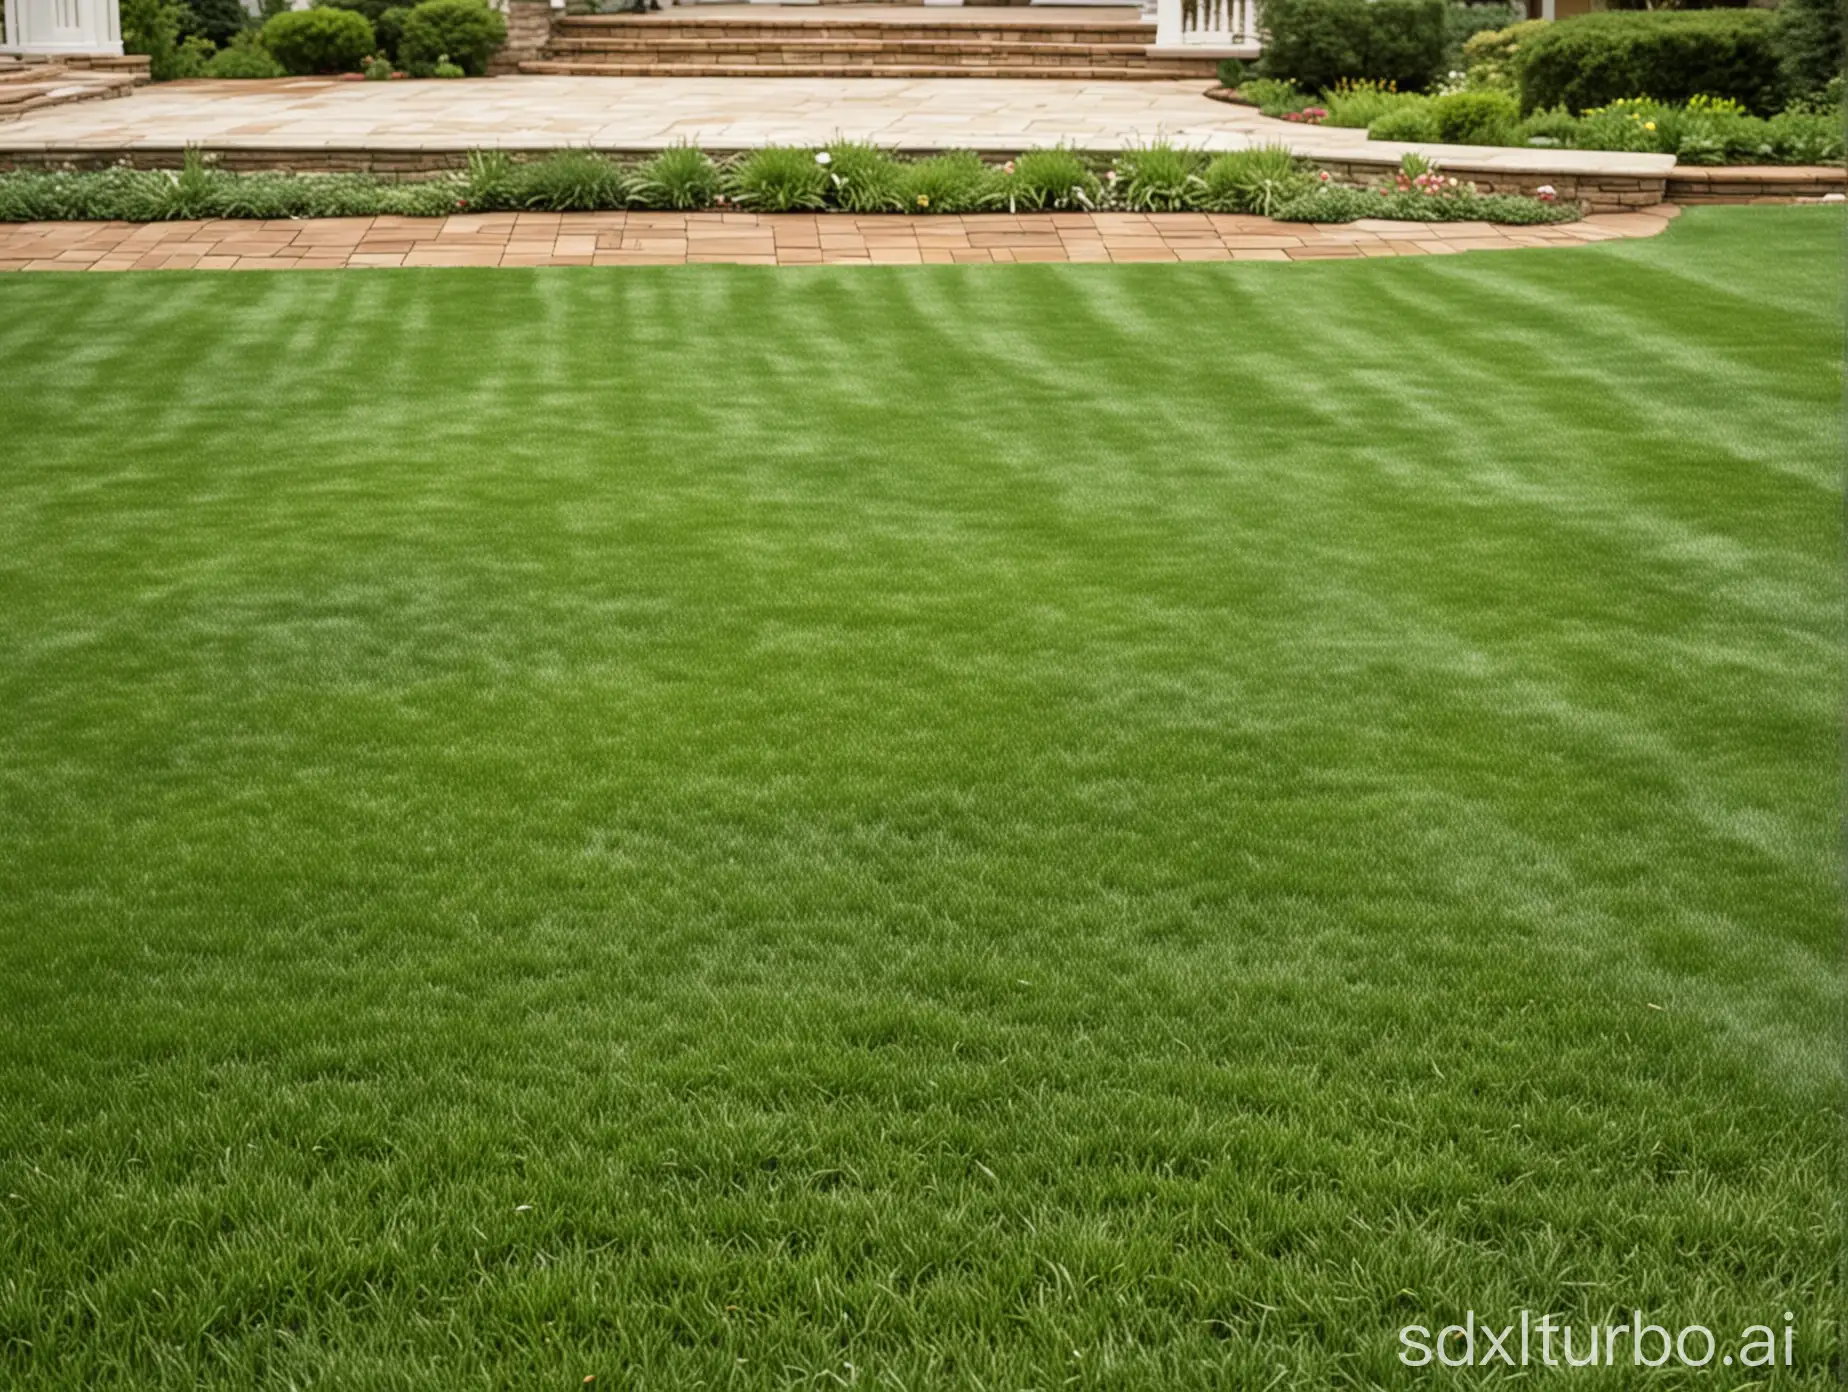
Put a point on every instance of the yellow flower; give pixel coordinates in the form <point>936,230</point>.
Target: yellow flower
<point>923,200</point>
<point>1648,125</point>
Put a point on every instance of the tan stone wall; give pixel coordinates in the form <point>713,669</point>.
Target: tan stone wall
<point>529,30</point>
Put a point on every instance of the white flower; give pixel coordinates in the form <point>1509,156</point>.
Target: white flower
<point>1546,188</point>
<point>823,157</point>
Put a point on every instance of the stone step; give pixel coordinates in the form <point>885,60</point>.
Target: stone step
<point>1016,52</point>
<point>773,32</point>
<point>1176,68</point>
<point>34,86</point>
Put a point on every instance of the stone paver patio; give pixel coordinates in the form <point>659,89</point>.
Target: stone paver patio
<point>619,239</point>
<point>648,113</point>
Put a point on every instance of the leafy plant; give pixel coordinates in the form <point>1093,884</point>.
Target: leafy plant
<point>465,33</point>
<point>959,182</point>
<point>446,69</point>
<point>1159,178</point>
<point>152,27</point>
<point>681,177</point>
<point>1450,203</point>
<point>1055,179</point>
<point>1254,181</point>
<point>572,181</point>
<point>319,41</point>
<point>780,179</point>
<point>245,58</point>
<point>864,178</point>
<point>1229,72</point>
<point>377,68</point>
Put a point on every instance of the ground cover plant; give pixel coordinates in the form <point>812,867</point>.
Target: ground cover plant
<point>914,828</point>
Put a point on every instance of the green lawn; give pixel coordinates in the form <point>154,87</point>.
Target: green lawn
<point>950,828</point>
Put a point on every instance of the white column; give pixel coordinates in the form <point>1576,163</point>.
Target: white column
<point>62,26</point>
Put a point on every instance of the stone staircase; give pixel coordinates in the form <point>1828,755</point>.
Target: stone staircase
<point>32,84</point>
<point>996,43</point>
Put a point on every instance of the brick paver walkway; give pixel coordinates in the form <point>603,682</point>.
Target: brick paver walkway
<point>629,239</point>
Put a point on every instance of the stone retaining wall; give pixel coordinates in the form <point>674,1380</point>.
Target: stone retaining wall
<point>1601,193</point>
<point>1754,183</point>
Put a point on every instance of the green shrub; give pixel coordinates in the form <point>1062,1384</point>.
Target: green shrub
<point>465,32</point>
<point>571,181</point>
<point>779,179</point>
<point>218,21</point>
<point>1159,178</point>
<point>246,58</point>
<point>389,29</point>
<point>445,69</point>
<point>863,178</point>
<point>319,41</point>
<point>1408,123</point>
<point>1476,118</point>
<point>1271,96</point>
<point>1229,72</point>
<point>1809,42</point>
<point>1254,181</point>
<point>1668,55</point>
<point>1316,43</point>
<point>959,182</point>
<point>680,177</point>
<point>1050,179</point>
<point>1489,57</point>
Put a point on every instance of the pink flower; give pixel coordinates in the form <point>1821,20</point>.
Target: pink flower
<point>1323,176</point>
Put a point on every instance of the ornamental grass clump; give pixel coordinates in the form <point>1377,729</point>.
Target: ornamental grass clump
<point>1158,178</point>
<point>682,178</point>
<point>1254,181</point>
<point>780,179</point>
<point>572,181</point>
<point>958,182</point>
<point>1055,179</point>
<point>862,178</point>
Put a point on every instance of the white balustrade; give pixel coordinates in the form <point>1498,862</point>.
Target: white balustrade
<point>62,26</point>
<point>1206,24</point>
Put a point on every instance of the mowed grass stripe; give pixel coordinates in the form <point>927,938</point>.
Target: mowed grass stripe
<point>1139,826</point>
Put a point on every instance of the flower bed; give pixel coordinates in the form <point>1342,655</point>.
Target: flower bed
<point>846,177</point>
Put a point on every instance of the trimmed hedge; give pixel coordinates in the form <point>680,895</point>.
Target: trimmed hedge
<point>466,32</point>
<point>1316,43</point>
<point>319,41</point>
<point>1665,54</point>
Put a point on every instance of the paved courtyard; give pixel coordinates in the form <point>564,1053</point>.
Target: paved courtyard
<point>647,113</point>
<point>616,239</point>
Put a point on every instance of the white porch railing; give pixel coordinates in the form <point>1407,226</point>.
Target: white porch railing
<point>1206,24</point>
